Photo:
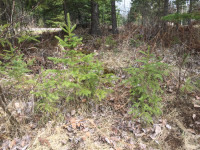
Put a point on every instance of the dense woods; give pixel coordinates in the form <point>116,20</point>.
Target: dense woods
<point>90,74</point>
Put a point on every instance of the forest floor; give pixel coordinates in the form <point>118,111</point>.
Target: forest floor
<point>108,125</point>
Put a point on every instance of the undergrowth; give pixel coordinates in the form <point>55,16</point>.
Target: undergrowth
<point>145,84</point>
<point>79,77</point>
<point>12,68</point>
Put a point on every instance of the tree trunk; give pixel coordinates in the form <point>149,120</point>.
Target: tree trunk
<point>22,16</point>
<point>114,17</point>
<point>12,22</point>
<point>178,12</point>
<point>12,14</point>
<point>3,18</point>
<point>65,10</point>
<point>95,26</point>
<point>190,11</point>
<point>166,6</point>
<point>159,12</point>
<point>165,13</point>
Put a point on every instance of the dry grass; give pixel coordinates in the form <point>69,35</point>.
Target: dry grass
<point>94,136</point>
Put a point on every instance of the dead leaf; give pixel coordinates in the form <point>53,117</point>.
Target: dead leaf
<point>168,126</point>
<point>194,116</point>
<point>164,122</point>
<point>123,76</point>
<point>73,112</point>
<point>112,99</point>
<point>73,120</point>
<point>17,105</point>
<point>73,125</point>
<point>158,129</point>
<point>107,140</point>
<point>142,146</point>
<point>12,144</point>
<point>153,137</point>
<point>196,106</point>
<point>191,131</point>
<point>25,147</point>
<point>197,122</point>
<point>116,138</point>
<point>64,126</point>
<point>87,134</point>
<point>43,141</point>
<point>23,143</point>
<point>78,125</point>
<point>139,135</point>
<point>118,149</point>
<point>84,100</point>
<point>69,129</point>
<point>64,142</point>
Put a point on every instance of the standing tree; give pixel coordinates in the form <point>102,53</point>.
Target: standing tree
<point>177,2</point>
<point>65,10</point>
<point>3,18</point>
<point>114,17</point>
<point>165,12</point>
<point>7,8</point>
<point>95,25</point>
<point>190,11</point>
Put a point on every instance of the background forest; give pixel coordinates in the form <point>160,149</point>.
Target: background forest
<point>87,74</point>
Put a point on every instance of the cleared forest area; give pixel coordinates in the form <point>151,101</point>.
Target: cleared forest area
<point>79,75</point>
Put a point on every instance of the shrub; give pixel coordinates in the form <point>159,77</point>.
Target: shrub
<point>179,17</point>
<point>145,82</point>
<point>12,68</point>
<point>12,65</point>
<point>136,41</point>
<point>110,41</point>
<point>80,77</point>
<point>188,86</point>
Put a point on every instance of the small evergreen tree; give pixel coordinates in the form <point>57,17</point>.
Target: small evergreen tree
<point>12,68</point>
<point>146,90</point>
<point>81,76</point>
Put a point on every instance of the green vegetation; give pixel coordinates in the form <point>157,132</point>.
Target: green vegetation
<point>110,41</point>
<point>181,17</point>
<point>146,89</point>
<point>12,64</point>
<point>104,78</point>
<point>12,69</point>
<point>80,77</point>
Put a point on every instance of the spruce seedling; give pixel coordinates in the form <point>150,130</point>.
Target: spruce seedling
<point>81,75</point>
<point>145,87</point>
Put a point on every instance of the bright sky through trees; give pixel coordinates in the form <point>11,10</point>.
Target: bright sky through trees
<point>124,7</point>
